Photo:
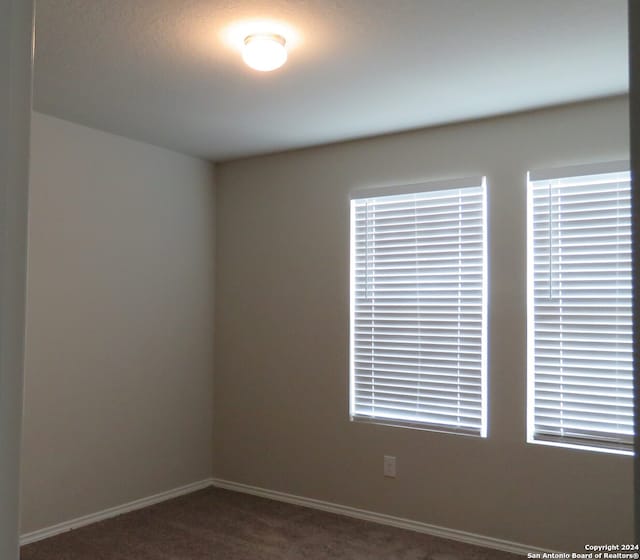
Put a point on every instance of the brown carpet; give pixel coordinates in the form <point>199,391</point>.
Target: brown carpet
<point>215,524</point>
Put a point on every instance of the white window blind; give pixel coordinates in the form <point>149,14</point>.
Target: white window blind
<point>580,341</point>
<point>418,306</point>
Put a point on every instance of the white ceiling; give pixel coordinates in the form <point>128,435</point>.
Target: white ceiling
<point>169,72</point>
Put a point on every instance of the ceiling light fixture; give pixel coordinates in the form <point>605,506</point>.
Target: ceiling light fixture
<point>264,51</point>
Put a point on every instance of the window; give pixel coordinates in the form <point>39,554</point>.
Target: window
<point>418,284</point>
<point>579,308</point>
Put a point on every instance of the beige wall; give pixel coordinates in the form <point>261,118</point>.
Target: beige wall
<point>281,384</point>
<point>119,357</point>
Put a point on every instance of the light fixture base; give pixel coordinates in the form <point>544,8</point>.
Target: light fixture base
<point>265,36</point>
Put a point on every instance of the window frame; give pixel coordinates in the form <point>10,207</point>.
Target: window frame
<point>536,176</point>
<point>422,187</point>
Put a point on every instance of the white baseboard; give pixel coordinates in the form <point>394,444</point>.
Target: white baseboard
<point>40,534</point>
<point>433,530</point>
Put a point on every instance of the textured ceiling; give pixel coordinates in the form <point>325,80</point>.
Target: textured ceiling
<point>169,72</point>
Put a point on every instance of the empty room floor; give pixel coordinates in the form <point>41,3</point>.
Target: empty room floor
<point>220,524</point>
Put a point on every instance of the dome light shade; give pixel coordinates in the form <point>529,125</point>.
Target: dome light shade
<point>264,51</point>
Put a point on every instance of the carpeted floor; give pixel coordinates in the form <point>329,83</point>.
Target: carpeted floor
<point>215,524</point>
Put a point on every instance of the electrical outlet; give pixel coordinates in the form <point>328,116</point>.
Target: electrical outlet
<point>389,466</point>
